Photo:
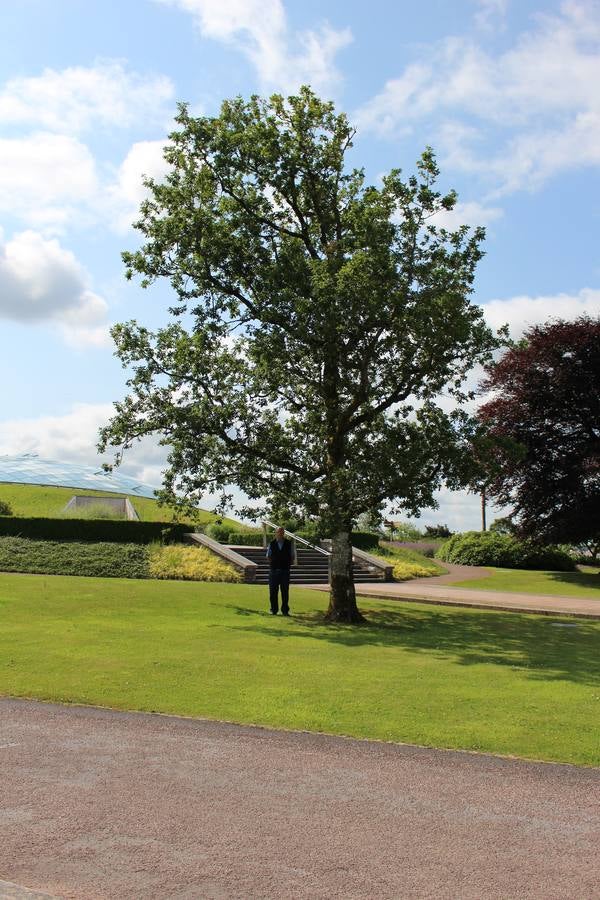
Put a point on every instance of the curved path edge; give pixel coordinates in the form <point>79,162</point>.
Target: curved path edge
<point>419,591</point>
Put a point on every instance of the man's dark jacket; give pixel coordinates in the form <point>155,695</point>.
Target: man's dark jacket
<point>280,559</point>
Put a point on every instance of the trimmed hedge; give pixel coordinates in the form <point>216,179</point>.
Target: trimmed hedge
<point>488,548</point>
<point>365,540</point>
<point>93,530</point>
<point>73,558</point>
<point>246,538</point>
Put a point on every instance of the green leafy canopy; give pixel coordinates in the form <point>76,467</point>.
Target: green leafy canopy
<point>317,318</point>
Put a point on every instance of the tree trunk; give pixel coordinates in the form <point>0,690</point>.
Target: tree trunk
<point>483,501</point>
<point>342,598</point>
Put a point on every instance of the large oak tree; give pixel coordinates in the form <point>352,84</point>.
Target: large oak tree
<point>315,321</point>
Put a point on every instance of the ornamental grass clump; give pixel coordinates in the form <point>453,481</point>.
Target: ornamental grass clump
<point>189,564</point>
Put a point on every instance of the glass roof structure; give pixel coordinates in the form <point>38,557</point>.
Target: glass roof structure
<point>28,468</point>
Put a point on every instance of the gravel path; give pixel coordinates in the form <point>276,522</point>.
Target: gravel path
<point>102,804</point>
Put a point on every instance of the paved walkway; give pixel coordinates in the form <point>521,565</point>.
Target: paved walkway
<point>102,804</point>
<point>438,589</point>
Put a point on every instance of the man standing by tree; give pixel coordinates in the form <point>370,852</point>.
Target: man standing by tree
<point>316,321</point>
<point>280,556</point>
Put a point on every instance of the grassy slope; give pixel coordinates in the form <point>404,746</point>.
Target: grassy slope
<point>37,500</point>
<point>409,563</point>
<point>567,584</point>
<point>474,679</point>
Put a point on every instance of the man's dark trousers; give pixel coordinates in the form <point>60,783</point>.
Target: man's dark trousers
<point>279,579</point>
<point>280,559</point>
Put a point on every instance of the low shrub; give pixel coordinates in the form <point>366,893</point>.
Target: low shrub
<point>5,508</point>
<point>404,571</point>
<point>189,563</point>
<point>487,548</point>
<point>103,560</point>
<point>246,538</point>
<point>553,559</point>
<point>218,532</point>
<point>365,540</point>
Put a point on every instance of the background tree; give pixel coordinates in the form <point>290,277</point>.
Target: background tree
<point>437,531</point>
<point>547,401</point>
<point>316,320</point>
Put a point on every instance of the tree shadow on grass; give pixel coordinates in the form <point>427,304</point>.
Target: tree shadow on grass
<point>579,579</point>
<point>545,647</point>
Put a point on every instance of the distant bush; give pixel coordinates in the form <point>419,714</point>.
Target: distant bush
<point>309,535</point>
<point>437,531</point>
<point>247,538</point>
<point>503,526</point>
<point>218,532</point>
<point>365,540</point>
<point>404,531</point>
<point>104,560</point>
<point>5,508</point>
<point>189,563</point>
<point>486,548</point>
<point>427,550</point>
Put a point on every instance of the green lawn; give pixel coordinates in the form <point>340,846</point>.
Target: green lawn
<point>438,676</point>
<point>34,500</point>
<point>567,584</point>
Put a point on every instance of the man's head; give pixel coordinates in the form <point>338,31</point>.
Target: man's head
<point>280,533</point>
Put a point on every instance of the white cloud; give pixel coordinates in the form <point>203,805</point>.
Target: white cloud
<point>459,510</point>
<point>79,98</point>
<point>72,437</point>
<point>259,29</point>
<point>45,177</point>
<point>542,94</point>
<point>471,213</point>
<point>523,311</point>
<point>145,158</point>
<point>40,281</point>
<point>490,14</point>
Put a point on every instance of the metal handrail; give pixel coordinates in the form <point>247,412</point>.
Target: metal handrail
<point>297,538</point>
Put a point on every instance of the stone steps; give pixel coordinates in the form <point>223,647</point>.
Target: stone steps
<point>312,567</point>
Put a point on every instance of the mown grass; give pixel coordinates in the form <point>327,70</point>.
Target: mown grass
<point>567,584</point>
<point>49,502</point>
<point>438,676</point>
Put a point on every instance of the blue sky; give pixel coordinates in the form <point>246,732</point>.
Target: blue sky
<point>506,92</point>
